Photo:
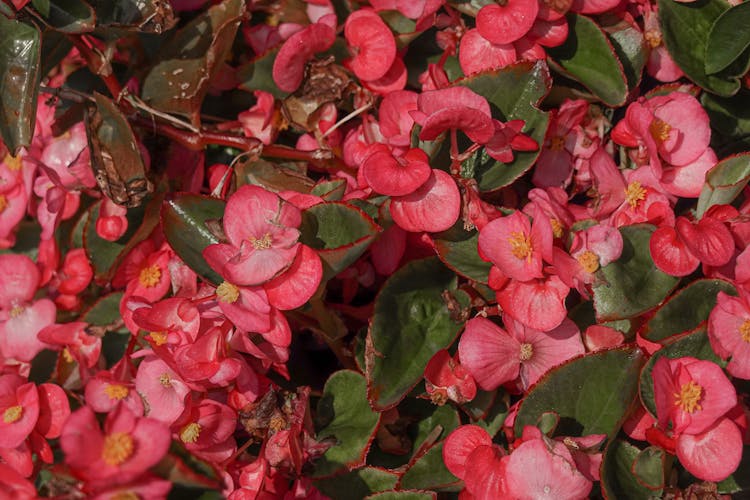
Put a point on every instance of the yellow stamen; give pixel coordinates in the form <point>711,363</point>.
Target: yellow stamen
<point>557,228</point>
<point>589,261</point>
<point>520,245</point>
<point>13,162</point>
<point>262,243</point>
<point>689,397</point>
<point>557,143</point>
<point>116,392</point>
<point>653,37</point>
<point>12,414</point>
<point>117,448</point>
<point>125,495</point>
<point>159,338</point>
<point>3,203</point>
<point>527,350</point>
<point>227,293</point>
<point>277,423</point>
<point>745,330</point>
<point>16,311</point>
<point>190,433</point>
<point>634,194</point>
<point>150,276</point>
<point>67,356</point>
<point>165,380</point>
<point>659,130</point>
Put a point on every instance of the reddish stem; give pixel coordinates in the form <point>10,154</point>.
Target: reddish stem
<point>97,65</point>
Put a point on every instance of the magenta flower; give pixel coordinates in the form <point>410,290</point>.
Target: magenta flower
<point>262,233</point>
<point>729,331</point>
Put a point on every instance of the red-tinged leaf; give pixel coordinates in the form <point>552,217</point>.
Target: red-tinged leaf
<point>66,16</point>
<point>410,324</point>
<point>403,495</point>
<point>187,63</point>
<point>358,483</point>
<point>20,54</point>
<point>648,468</point>
<point>605,384</point>
<point>184,217</point>
<point>428,472</point>
<point>724,182</point>
<point>588,57</point>
<point>685,310</point>
<point>182,468</point>
<point>345,415</point>
<point>516,91</point>
<point>339,232</point>
<point>632,284</point>
<point>459,251</point>
<point>617,478</point>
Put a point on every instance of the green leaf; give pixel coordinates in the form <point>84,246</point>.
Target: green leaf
<point>695,344</point>
<point>724,182</point>
<point>179,81</point>
<point>20,53</point>
<point>591,393</point>
<point>632,284</point>
<point>339,232</point>
<point>403,495</point>
<point>411,322</point>
<point>66,16</point>
<point>588,57</point>
<point>428,472</point>
<point>728,38</point>
<point>685,28</point>
<point>730,116</point>
<point>183,219</point>
<point>686,309</point>
<point>272,176</point>
<point>648,468</point>
<point>630,48</point>
<point>256,75</point>
<point>106,255</point>
<point>184,469</point>
<point>349,419</point>
<point>114,345</point>
<point>617,478</point>
<point>515,91</point>
<point>105,311</point>
<point>357,484</point>
<point>458,250</point>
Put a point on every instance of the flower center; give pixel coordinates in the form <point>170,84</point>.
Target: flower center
<point>653,37</point>
<point>745,330</point>
<point>13,162</point>
<point>527,350</point>
<point>659,130</point>
<point>689,397</point>
<point>589,261</point>
<point>3,203</point>
<point>557,143</point>
<point>12,414</point>
<point>634,194</point>
<point>262,243</point>
<point>227,292</point>
<point>159,338</point>
<point>557,228</point>
<point>150,276</point>
<point>16,311</point>
<point>190,433</point>
<point>439,397</point>
<point>165,380</point>
<point>125,495</point>
<point>520,245</point>
<point>67,356</point>
<point>118,447</point>
<point>277,423</point>
<point>116,392</point>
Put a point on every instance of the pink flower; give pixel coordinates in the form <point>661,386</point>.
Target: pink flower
<point>262,233</point>
<point>446,379</point>
<point>507,22</point>
<point>125,449</point>
<point>289,65</point>
<point>19,407</point>
<point>371,43</point>
<point>729,331</point>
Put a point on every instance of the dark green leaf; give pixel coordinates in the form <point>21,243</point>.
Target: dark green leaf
<point>340,232</point>
<point>588,57</point>
<point>403,495</point>
<point>591,394</point>
<point>728,38</point>
<point>182,468</point>
<point>349,419</point>
<point>617,478</point>
<point>42,366</point>
<point>105,311</point>
<point>66,16</point>
<point>410,324</point>
<point>649,468</point>
<point>458,250</point>
<point>632,284</point>
<point>428,472</point>
<point>685,28</point>
<point>114,345</point>
<point>724,182</point>
<point>695,344</point>
<point>179,81</point>
<point>730,116</point>
<point>630,47</point>
<point>28,236</point>
<point>55,46</point>
<point>515,90</point>
<point>184,219</point>
<point>686,309</point>
<point>256,75</point>
<point>357,484</point>
<point>20,53</point>
<point>272,176</point>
